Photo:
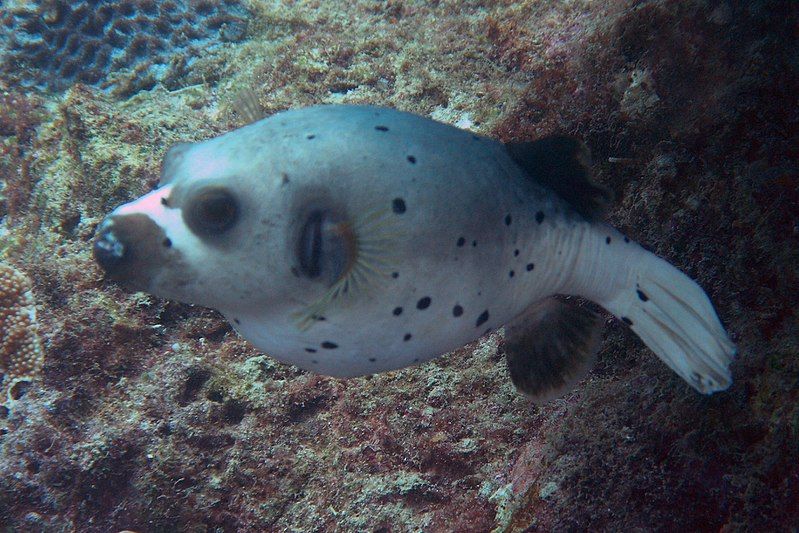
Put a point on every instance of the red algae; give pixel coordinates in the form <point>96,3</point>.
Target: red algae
<point>153,416</point>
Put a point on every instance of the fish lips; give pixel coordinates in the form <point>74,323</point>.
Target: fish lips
<point>132,249</point>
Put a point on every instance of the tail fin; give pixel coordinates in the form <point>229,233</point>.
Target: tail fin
<point>676,320</point>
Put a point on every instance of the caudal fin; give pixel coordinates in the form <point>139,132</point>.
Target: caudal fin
<point>676,320</point>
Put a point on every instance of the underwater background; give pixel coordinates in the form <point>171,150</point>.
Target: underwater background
<point>131,413</point>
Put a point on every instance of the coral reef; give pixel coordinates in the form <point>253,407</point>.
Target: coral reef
<point>155,416</point>
<point>21,354</point>
<point>54,44</point>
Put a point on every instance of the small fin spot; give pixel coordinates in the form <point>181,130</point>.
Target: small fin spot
<point>607,240</point>
<point>457,311</point>
<point>167,242</point>
<point>530,266</point>
<point>643,297</point>
<point>395,275</point>
<point>411,160</point>
<point>397,311</point>
<point>310,350</point>
<point>407,337</point>
<point>516,253</point>
<point>372,359</point>
<point>511,274</point>
<point>327,345</point>
<point>482,319</point>
<point>423,303</point>
<point>539,217</point>
<point>311,136</point>
<point>474,244</point>
<point>398,205</point>
<point>461,242</point>
<point>508,220</point>
<point>381,128</point>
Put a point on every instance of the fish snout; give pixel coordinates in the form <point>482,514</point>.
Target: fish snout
<point>109,251</point>
<point>131,248</point>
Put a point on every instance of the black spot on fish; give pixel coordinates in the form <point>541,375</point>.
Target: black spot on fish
<point>407,337</point>
<point>309,137</point>
<point>457,310</point>
<point>327,345</point>
<point>643,297</point>
<point>164,202</point>
<point>395,275</point>
<point>530,266</point>
<point>415,359</point>
<point>411,160</point>
<point>539,217</point>
<point>310,350</point>
<point>516,253</point>
<point>482,319</point>
<point>461,242</point>
<point>607,240</point>
<point>372,359</point>
<point>626,239</point>
<point>474,244</point>
<point>423,303</point>
<point>381,128</point>
<point>167,242</point>
<point>284,179</point>
<point>398,205</point>
<point>627,321</point>
<point>511,274</point>
<point>397,311</point>
<point>475,137</point>
<point>237,321</point>
<point>508,220</point>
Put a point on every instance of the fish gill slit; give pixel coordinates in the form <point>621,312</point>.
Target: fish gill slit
<point>374,235</point>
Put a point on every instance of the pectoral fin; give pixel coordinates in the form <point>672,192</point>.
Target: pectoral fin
<point>550,347</point>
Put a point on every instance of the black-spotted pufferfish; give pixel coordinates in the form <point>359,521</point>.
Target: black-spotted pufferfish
<point>350,240</point>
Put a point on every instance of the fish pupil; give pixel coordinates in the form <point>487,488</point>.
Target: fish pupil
<point>211,212</point>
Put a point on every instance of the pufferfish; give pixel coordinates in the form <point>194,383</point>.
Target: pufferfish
<point>350,240</point>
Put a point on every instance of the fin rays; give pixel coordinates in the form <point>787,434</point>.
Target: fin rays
<point>373,235</point>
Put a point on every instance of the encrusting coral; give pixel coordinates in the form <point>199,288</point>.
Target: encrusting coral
<point>21,354</point>
<point>54,44</point>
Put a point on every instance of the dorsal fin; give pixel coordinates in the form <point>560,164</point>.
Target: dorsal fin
<point>563,164</point>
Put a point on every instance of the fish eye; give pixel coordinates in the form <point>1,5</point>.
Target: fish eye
<point>211,211</point>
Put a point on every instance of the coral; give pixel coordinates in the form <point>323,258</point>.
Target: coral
<point>55,43</point>
<point>21,354</point>
<point>155,416</point>
<point>20,114</point>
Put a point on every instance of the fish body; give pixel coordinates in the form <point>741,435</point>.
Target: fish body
<point>350,240</point>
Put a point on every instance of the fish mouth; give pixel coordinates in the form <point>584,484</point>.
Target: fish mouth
<point>131,249</point>
<point>109,252</point>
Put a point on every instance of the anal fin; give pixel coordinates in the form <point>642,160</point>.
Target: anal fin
<point>550,347</point>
